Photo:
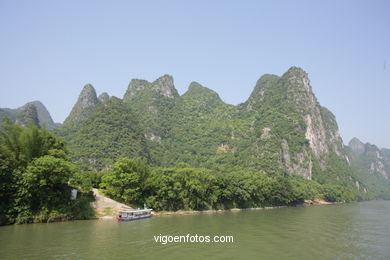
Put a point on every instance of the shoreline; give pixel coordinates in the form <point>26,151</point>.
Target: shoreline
<point>213,211</point>
<point>107,209</point>
<point>210,211</point>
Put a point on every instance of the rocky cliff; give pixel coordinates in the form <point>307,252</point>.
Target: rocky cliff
<point>27,115</point>
<point>369,159</point>
<point>42,114</point>
<point>162,86</point>
<point>86,102</point>
<point>292,123</point>
<point>281,128</point>
<point>372,165</point>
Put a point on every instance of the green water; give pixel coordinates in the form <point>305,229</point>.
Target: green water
<point>349,231</point>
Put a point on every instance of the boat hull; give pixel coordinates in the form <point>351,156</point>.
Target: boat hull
<point>133,218</point>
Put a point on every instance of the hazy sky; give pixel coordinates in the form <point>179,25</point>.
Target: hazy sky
<point>50,49</point>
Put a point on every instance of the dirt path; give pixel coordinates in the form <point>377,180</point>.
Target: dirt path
<point>106,208</point>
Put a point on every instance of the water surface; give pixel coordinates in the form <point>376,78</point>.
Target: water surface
<point>346,231</point>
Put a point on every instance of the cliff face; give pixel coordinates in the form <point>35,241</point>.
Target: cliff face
<point>386,154</point>
<point>28,115</point>
<point>162,86</point>
<point>86,102</point>
<point>292,123</point>
<point>368,159</point>
<point>42,117</point>
<point>103,97</point>
<point>320,124</point>
<point>372,165</point>
<point>281,128</point>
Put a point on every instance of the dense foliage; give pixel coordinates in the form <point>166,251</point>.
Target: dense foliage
<point>110,132</point>
<point>35,172</point>
<point>265,135</point>
<point>363,163</point>
<point>134,182</point>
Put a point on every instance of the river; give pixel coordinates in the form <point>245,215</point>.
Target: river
<point>344,231</point>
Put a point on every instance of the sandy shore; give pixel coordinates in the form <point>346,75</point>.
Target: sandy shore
<point>318,202</point>
<point>108,208</point>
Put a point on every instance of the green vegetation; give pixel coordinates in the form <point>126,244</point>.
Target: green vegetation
<point>133,182</point>
<point>265,136</point>
<point>27,115</point>
<point>279,147</point>
<point>35,173</point>
<point>110,132</point>
<point>33,111</point>
<point>370,168</point>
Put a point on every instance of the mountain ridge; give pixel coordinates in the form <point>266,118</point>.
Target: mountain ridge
<point>43,115</point>
<point>280,129</point>
<point>372,165</point>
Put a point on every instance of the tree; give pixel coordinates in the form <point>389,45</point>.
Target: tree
<point>35,173</point>
<point>45,183</point>
<point>126,182</point>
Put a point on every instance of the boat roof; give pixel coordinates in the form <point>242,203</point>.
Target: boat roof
<point>134,210</point>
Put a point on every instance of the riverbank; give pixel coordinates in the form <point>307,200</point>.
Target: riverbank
<point>193,212</point>
<point>108,209</point>
<point>318,202</point>
<point>105,207</point>
<point>212,211</point>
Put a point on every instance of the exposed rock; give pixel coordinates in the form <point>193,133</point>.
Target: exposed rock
<point>265,133</point>
<point>356,146</point>
<point>44,117</point>
<point>86,102</point>
<point>299,167</point>
<point>223,148</point>
<point>369,159</point>
<point>386,154</point>
<point>135,86</point>
<point>290,104</point>
<point>300,92</point>
<point>153,137</point>
<point>103,97</point>
<point>28,115</point>
<point>45,120</point>
<point>163,86</point>
<point>280,129</point>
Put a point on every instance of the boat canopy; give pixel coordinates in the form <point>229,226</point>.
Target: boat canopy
<point>135,211</point>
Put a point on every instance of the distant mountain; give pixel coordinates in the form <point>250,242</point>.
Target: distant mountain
<point>372,165</point>
<point>110,131</point>
<point>378,159</point>
<point>103,97</point>
<point>86,102</point>
<point>386,154</point>
<point>26,112</point>
<point>281,129</point>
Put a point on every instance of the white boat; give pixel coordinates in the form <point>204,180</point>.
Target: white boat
<point>134,214</point>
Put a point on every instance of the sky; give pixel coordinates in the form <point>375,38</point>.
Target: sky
<point>50,49</point>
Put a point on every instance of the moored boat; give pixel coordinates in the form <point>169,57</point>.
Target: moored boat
<point>134,214</point>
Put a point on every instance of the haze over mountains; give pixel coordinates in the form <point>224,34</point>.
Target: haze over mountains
<point>280,129</point>
<point>34,111</point>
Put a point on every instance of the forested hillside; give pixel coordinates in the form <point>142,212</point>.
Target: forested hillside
<point>372,165</point>
<point>281,130</point>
